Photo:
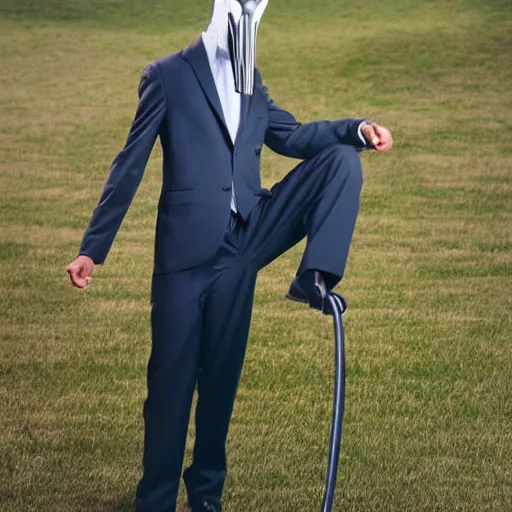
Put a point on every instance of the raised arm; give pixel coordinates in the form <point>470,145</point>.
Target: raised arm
<point>288,137</point>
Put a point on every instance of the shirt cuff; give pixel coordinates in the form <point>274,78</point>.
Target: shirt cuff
<point>367,144</point>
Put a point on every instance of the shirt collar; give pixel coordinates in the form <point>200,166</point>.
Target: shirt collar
<point>217,31</point>
<point>216,50</point>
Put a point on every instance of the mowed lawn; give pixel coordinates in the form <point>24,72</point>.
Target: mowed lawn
<point>429,283</point>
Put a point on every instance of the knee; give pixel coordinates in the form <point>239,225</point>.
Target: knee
<point>345,162</point>
<point>344,154</point>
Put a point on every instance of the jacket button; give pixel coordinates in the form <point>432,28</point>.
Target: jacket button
<point>226,188</point>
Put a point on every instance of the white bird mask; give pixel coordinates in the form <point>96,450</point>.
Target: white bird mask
<point>234,25</point>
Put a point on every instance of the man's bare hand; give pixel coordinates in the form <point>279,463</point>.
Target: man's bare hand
<point>80,271</point>
<point>379,136</point>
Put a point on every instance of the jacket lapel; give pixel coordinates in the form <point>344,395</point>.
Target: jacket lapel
<point>244,115</point>
<point>252,109</point>
<point>196,55</point>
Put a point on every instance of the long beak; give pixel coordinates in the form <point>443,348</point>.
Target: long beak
<point>244,53</point>
<point>243,27</point>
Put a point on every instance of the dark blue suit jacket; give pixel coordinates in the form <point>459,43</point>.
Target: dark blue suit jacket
<point>178,101</point>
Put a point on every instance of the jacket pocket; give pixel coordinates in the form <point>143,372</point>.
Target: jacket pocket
<point>177,197</point>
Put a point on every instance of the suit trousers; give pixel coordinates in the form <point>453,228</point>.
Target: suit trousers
<point>200,321</point>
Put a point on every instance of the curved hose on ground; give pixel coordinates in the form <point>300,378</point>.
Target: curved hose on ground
<point>338,410</point>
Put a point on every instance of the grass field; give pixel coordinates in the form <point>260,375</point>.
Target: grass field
<point>429,283</point>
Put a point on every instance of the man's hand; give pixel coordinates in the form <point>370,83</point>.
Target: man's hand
<point>379,136</point>
<point>80,271</point>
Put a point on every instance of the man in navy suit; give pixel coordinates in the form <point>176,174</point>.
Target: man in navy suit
<point>216,228</point>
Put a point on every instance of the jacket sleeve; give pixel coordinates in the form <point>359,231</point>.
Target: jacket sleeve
<point>127,168</point>
<point>288,137</point>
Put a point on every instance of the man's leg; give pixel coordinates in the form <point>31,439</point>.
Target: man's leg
<point>227,316</point>
<point>171,378</point>
<point>320,198</point>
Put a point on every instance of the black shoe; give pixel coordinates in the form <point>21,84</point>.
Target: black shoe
<point>309,288</point>
<point>206,506</point>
